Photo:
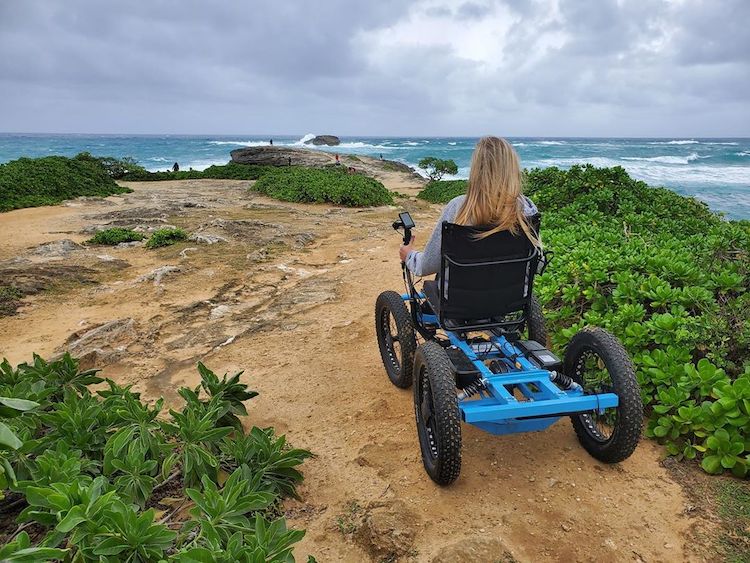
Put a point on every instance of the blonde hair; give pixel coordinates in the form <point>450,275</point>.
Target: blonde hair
<point>493,197</point>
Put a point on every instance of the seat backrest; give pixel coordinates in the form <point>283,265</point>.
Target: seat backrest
<point>485,278</point>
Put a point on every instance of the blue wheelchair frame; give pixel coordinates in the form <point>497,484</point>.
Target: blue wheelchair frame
<point>494,408</point>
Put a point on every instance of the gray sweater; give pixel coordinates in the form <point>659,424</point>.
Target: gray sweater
<point>428,262</point>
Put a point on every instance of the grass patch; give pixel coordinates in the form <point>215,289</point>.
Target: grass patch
<point>349,521</point>
<point>230,171</point>
<point>31,182</point>
<point>734,511</point>
<point>10,299</point>
<point>166,237</point>
<point>114,236</point>
<point>330,185</point>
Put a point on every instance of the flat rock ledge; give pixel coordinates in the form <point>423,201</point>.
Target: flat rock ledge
<point>281,156</point>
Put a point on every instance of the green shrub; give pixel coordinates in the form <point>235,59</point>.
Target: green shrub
<point>166,237</point>
<point>115,235</point>
<point>670,279</point>
<point>116,168</point>
<point>442,191</point>
<point>436,167</point>
<point>31,182</point>
<point>230,171</point>
<point>331,185</point>
<point>91,469</point>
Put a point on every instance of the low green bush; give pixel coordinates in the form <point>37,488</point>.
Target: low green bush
<point>442,191</point>
<point>114,236</point>
<point>230,171</point>
<point>85,471</point>
<point>330,185</point>
<point>166,237</point>
<point>670,279</point>
<point>31,182</point>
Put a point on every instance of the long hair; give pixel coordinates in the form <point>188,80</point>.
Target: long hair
<point>493,197</point>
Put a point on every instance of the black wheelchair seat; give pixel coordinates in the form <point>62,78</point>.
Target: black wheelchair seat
<point>483,283</point>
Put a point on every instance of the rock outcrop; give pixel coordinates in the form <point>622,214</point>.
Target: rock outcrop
<point>330,140</point>
<point>281,156</point>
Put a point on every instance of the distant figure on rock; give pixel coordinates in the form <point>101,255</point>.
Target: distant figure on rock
<point>270,141</point>
<point>338,162</point>
<point>176,167</point>
<point>290,161</point>
<point>381,156</point>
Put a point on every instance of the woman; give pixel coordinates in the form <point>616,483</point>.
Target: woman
<point>494,199</point>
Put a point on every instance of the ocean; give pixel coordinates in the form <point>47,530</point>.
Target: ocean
<point>716,171</point>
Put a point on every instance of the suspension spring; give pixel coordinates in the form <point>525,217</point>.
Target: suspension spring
<point>565,382</point>
<point>472,389</point>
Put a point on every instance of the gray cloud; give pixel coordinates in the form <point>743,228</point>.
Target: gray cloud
<point>547,67</point>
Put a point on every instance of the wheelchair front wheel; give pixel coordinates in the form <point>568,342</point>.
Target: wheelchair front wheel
<point>436,412</point>
<point>597,361</point>
<point>396,338</point>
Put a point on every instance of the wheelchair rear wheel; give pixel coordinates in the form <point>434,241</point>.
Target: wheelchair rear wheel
<point>536,326</point>
<point>437,415</point>
<point>597,361</point>
<point>396,338</point>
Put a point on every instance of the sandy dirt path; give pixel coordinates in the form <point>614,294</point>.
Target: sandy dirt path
<point>289,298</point>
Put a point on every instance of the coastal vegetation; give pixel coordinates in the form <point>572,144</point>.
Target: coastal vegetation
<point>115,235</point>
<point>328,185</point>
<point>31,182</point>
<point>670,279</point>
<point>230,171</point>
<point>166,237</point>
<point>90,472</point>
<point>436,168</point>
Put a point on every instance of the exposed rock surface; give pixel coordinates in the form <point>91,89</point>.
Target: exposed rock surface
<point>330,140</point>
<point>57,248</point>
<point>279,156</point>
<point>102,344</point>
<point>206,238</point>
<point>475,549</point>
<point>158,274</point>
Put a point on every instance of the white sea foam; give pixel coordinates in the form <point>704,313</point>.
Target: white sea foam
<point>452,144</point>
<point>665,159</point>
<point>660,173</point>
<point>200,164</point>
<point>240,143</point>
<point>742,153</point>
<point>550,143</point>
<point>677,142</point>
<point>718,143</point>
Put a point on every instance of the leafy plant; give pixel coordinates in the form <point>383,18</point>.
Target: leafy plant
<point>230,391</point>
<point>198,438</point>
<point>115,235</point>
<point>219,514</point>
<point>88,465</point>
<point>19,550</point>
<point>436,168</point>
<point>31,182</point>
<point>166,237</point>
<point>330,185</point>
<point>269,457</point>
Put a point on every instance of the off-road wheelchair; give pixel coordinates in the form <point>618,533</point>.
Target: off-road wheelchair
<point>482,356</point>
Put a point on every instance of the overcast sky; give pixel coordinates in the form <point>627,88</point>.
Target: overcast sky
<point>380,67</point>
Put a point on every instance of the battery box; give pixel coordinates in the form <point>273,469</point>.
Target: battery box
<point>539,355</point>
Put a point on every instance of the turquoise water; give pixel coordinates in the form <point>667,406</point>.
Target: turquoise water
<point>716,171</point>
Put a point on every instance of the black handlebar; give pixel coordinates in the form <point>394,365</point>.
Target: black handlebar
<point>404,222</point>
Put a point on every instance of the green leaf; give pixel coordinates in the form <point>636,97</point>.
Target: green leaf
<point>8,439</point>
<point>71,520</point>
<point>711,464</point>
